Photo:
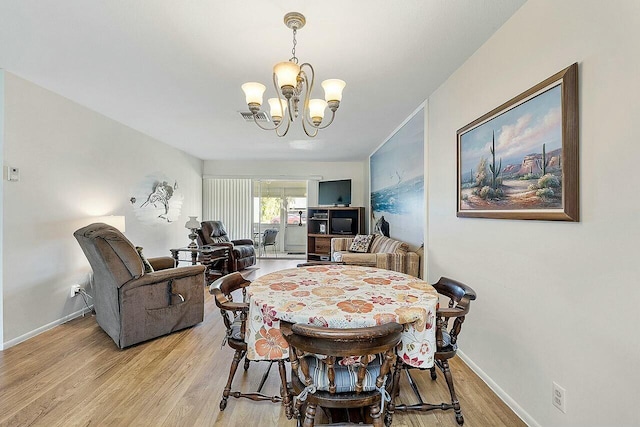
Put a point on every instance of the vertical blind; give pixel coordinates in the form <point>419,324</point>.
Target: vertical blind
<point>229,201</point>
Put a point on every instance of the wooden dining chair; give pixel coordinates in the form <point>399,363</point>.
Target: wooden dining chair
<point>340,368</point>
<point>460,297</point>
<point>234,316</point>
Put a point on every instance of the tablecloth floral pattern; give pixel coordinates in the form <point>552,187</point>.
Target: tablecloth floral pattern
<point>341,296</point>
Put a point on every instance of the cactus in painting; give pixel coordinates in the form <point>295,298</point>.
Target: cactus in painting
<point>481,173</point>
<point>543,162</point>
<point>492,167</point>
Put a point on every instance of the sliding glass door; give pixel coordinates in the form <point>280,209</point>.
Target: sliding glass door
<point>279,218</point>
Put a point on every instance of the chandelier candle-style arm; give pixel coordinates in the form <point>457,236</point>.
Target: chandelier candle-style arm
<point>253,93</point>
<point>315,107</point>
<point>275,127</point>
<point>290,82</point>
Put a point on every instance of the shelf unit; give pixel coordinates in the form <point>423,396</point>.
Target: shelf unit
<point>319,229</point>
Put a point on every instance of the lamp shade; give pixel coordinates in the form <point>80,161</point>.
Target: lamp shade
<point>116,221</point>
<point>253,92</point>
<point>333,89</point>
<point>192,223</point>
<point>317,107</point>
<point>287,73</point>
<point>276,110</point>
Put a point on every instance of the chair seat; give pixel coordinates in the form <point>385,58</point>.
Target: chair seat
<point>243,251</point>
<point>346,375</point>
<point>235,329</point>
<point>446,342</point>
<point>235,339</point>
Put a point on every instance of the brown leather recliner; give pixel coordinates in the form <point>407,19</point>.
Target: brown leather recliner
<point>133,306</point>
<point>242,252</point>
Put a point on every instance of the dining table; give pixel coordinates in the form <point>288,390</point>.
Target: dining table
<point>341,296</point>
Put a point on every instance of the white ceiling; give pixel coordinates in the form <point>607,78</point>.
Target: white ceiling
<point>173,69</point>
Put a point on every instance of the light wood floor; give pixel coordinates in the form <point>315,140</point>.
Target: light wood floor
<point>74,375</point>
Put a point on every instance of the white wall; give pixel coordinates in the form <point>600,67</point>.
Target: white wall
<point>296,170</point>
<point>557,301</point>
<point>1,192</point>
<point>74,164</point>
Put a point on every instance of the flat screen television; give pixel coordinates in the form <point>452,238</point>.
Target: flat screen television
<point>341,225</point>
<point>334,192</point>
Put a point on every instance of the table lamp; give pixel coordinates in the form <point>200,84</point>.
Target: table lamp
<point>193,225</point>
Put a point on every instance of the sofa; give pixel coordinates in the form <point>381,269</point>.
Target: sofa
<point>383,252</point>
<point>242,253</point>
<point>132,305</point>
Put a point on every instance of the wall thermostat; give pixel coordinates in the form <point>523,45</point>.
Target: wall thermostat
<point>13,174</point>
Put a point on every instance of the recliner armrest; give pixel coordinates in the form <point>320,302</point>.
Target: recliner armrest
<point>165,275</point>
<point>162,262</point>
<point>242,242</point>
<point>214,245</point>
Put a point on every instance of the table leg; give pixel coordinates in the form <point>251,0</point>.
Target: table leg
<point>174,254</point>
<point>194,257</point>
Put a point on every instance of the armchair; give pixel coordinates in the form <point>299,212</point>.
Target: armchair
<point>242,253</point>
<point>133,306</point>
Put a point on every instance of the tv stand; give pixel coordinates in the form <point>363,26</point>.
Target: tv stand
<point>319,229</point>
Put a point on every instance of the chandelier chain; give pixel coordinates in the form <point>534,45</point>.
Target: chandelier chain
<point>293,50</point>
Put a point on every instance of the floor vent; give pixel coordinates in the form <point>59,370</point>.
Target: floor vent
<point>261,116</point>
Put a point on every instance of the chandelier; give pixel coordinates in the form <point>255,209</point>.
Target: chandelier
<point>292,82</point>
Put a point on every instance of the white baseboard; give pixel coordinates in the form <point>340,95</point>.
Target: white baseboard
<point>517,409</point>
<point>46,327</point>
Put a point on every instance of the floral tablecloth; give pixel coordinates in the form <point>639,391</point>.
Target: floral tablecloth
<point>341,296</point>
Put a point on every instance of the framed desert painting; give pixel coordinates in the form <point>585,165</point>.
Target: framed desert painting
<point>520,160</point>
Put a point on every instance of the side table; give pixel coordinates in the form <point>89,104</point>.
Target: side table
<point>216,259</point>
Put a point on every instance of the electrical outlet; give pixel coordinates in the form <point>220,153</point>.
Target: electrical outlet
<point>559,397</point>
<point>75,289</point>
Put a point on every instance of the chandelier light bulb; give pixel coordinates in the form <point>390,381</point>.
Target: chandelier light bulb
<point>333,89</point>
<point>316,110</point>
<point>253,93</point>
<point>287,74</point>
<point>276,111</point>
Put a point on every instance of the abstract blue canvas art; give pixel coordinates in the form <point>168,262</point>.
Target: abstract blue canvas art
<point>397,184</point>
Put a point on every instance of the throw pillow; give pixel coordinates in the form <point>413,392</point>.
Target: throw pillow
<point>217,229</point>
<point>145,262</point>
<point>361,243</point>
